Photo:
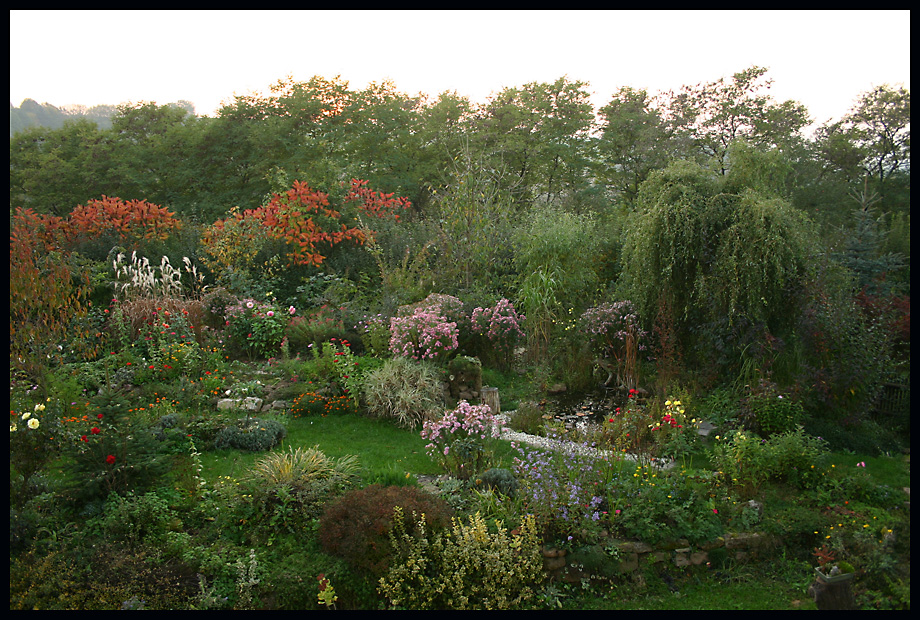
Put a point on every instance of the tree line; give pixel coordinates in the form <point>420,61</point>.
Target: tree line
<point>746,245</point>
<point>543,141</point>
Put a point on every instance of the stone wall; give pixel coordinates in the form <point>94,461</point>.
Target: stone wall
<point>595,561</point>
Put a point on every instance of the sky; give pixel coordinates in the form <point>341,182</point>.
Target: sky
<point>821,59</point>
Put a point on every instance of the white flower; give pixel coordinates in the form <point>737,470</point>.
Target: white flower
<point>26,415</point>
<point>33,423</point>
<point>40,407</point>
<point>12,427</point>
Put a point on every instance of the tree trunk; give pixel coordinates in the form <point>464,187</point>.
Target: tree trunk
<point>490,398</point>
<point>837,595</point>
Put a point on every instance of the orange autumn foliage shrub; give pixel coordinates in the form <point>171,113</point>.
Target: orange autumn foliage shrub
<point>305,219</point>
<point>133,220</point>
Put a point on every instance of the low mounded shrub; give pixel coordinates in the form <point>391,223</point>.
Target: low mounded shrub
<point>356,526</point>
<point>257,435</point>
<point>499,479</point>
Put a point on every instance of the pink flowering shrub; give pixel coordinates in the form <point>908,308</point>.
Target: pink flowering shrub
<point>613,332</point>
<point>501,325</point>
<point>425,335</point>
<point>462,440</point>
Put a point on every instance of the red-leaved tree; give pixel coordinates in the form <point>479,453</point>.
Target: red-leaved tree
<point>305,219</point>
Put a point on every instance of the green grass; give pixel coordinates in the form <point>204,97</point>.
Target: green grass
<point>781,584</point>
<point>381,446</point>
<point>891,470</point>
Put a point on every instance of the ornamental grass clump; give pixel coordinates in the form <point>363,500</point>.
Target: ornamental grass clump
<point>302,466</point>
<point>462,441</point>
<point>405,391</point>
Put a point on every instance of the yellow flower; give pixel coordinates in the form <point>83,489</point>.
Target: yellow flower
<point>12,427</point>
<point>26,415</point>
<point>40,407</point>
<point>667,403</point>
<point>33,423</point>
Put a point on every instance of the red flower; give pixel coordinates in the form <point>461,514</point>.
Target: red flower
<point>99,416</point>
<point>83,438</point>
<point>110,459</point>
<point>94,431</point>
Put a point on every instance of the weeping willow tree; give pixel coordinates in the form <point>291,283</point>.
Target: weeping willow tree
<point>731,258</point>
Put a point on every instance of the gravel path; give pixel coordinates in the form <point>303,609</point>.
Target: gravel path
<point>556,444</point>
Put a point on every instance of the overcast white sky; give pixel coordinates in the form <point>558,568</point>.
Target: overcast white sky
<point>822,59</point>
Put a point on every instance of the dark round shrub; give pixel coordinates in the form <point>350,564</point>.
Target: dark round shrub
<point>356,527</point>
<point>501,480</point>
<point>257,436</point>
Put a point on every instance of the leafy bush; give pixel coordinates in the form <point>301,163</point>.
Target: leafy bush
<point>255,435</point>
<point>527,418</point>
<point>314,328</point>
<point>655,505</point>
<point>375,334</point>
<point>471,568</point>
<point>356,526</point>
<point>719,405</point>
<point>403,390</point>
<point>747,461</point>
<point>769,412</point>
<point>257,328</point>
<point>138,519</point>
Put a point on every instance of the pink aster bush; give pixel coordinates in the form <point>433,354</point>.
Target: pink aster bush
<point>614,333</point>
<point>462,441</point>
<point>424,335</point>
<point>501,325</point>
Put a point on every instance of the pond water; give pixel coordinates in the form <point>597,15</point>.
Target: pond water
<point>584,407</point>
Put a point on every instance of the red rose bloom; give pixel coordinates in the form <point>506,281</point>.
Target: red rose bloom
<point>95,430</point>
<point>110,459</point>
